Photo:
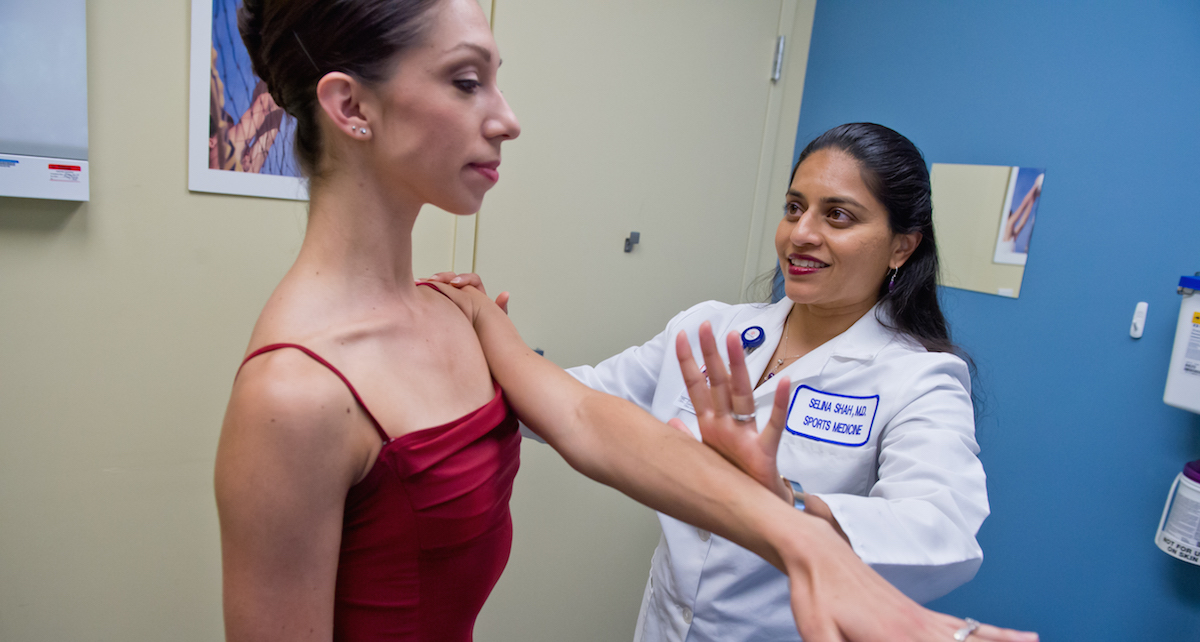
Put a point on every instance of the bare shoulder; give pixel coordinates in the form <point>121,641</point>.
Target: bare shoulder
<point>287,455</point>
<point>293,415</point>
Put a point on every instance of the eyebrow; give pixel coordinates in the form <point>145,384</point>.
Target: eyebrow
<point>834,200</point>
<point>479,49</point>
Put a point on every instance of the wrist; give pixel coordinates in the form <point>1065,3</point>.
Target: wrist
<point>797,539</point>
<point>782,489</point>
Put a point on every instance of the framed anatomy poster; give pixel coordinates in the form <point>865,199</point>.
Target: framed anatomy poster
<point>239,140</point>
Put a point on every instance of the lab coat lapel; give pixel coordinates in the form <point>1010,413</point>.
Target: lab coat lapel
<point>860,342</point>
<point>770,319</point>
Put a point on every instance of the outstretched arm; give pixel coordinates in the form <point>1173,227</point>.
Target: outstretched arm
<point>618,444</point>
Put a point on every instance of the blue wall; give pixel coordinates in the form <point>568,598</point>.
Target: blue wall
<point>1078,445</point>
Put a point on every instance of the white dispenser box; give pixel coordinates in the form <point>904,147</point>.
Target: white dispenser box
<point>1183,377</point>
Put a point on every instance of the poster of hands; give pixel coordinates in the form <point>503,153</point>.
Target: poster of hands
<point>239,140</point>
<point>1018,215</point>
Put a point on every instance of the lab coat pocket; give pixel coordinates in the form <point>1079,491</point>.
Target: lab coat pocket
<point>824,467</point>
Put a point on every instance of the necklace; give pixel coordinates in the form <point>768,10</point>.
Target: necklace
<point>780,360</point>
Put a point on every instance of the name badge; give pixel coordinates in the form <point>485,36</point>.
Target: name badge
<point>845,420</point>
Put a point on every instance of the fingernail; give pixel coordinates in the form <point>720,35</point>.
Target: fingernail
<point>457,279</point>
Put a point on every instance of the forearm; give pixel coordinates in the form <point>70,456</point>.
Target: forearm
<point>618,444</point>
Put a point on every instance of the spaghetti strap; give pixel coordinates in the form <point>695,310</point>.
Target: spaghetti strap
<point>439,290</point>
<point>316,357</point>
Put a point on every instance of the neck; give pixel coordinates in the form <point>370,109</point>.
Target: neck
<point>810,326</point>
<point>361,237</point>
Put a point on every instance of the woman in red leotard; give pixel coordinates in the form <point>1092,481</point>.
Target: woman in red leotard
<point>366,458</point>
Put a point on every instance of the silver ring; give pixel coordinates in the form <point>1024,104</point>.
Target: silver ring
<point>969,626</point>
<point>742,418</point>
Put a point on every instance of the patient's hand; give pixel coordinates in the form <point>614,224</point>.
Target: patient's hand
<point>468,278</point>
<point>473,303</point>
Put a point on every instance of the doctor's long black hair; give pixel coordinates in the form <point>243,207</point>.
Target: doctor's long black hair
<point>894,170</point>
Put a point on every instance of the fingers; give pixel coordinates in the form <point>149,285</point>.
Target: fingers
<point>457,295</point>
<point>773,431</point>
<point>468,299</point>
<point>468,279</point>
<point>724,392</point>
<point>459,280</point>
<point>741,394</point>
<point>989,633</point>
<point>693,379</point>
<point>442,277</point>
<point>718,378</point>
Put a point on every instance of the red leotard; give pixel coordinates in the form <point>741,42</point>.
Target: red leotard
<point>427,532</point>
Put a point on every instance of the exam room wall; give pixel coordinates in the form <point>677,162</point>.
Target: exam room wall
<point>122,321</point>
<point>1078,445</point>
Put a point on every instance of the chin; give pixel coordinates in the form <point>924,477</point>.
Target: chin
<point>804,295</point>
<point>462,206</point>
<point>463,211</point>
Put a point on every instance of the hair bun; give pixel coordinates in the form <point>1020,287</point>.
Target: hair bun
<point>250,25</point>
<point>290,42</point>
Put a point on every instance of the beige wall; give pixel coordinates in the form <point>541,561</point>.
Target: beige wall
<point>122,321</point>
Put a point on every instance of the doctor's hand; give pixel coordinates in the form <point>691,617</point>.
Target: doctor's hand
<point>722,397</point>
<point>468,278</point>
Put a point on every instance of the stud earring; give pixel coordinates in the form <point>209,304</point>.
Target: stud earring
<point>363,131</point>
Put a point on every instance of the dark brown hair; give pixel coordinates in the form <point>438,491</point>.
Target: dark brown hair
<point>894,170</point>
<point>294,43</point>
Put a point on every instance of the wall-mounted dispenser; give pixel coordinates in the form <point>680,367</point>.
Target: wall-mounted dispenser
<point>1183,376</point>
<point>1179,528</point>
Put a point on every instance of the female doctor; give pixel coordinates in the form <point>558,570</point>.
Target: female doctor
<point>879,434</point>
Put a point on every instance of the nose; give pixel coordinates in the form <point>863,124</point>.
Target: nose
<point>805,231</point>
<point>502,124</point>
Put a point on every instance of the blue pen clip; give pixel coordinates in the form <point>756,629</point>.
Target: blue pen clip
<point>752,337</point>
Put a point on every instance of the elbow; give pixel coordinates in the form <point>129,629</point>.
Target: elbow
<point>578,439</point>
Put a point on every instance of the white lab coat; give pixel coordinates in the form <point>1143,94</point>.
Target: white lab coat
<point>900,473</point>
